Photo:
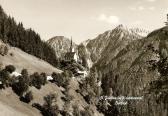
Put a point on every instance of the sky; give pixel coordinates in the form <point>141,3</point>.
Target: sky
<point>85,19</point>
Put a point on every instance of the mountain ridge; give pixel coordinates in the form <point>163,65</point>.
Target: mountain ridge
<point>130,74</point>
<point>61,45</point>
<point>97,45</point>
<point>92,48</point>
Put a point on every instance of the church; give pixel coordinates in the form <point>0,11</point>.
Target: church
<point>71,54</point>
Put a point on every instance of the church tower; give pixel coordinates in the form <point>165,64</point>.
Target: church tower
<point>71,46</point>
<point>71,54</point>
<point>166,23</point>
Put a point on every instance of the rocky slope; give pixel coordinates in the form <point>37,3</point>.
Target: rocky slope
<point>61,45</point>
<point>90,51</point>
<point>128,68</point>
<point>116,39</point>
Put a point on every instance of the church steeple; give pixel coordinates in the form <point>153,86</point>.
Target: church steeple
<point>166,23</point>
<point>71,46</point>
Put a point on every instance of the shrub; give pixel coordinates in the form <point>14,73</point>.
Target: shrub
<point>68,97</point>
<point>76,111</point>
<point>43,78</point>
<point>57,78</point>
<point>64,113</point>
<point>50,107</point>
<point>6,49</point>
<point>66,78</point>
<point>37,80</point>
<point>10,68</point>
<point>86,112</point>
<point>90,97</point>
<point>61,79</point>
<point>27,98</point>
<point>1,65</point>
<point>4,77</point>
<point>108,108</point>
<point>24,72</point>
<point>38,106</point>
<point>11,54</point>
<point>25,75</point>
<point>21,86</point>
<point>3,49</point>
<point>67,73</point>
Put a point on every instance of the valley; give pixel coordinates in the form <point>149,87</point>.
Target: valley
<point>60,78</point>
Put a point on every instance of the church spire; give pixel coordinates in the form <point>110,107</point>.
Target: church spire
<point>167,21</point>
<point>71,45</point>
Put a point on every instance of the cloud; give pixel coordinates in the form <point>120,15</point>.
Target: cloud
<point>151,8</point>
<point>109,19</point>
<point>142,8</point>
<point>132,8</point>
<point>136,23</point>
<point>151,0</point>
<point>166,11</point>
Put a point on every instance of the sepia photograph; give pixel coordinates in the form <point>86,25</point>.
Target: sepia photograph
<point>83,57</point>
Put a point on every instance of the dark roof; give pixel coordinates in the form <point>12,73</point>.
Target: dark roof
<point>69,54</point>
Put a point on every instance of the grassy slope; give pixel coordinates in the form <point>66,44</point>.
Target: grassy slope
<point>38,95</point>
<point>10,105</point>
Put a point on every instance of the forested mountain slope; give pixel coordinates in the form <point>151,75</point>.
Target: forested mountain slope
<point>26,39</point>
<point>138,69</point>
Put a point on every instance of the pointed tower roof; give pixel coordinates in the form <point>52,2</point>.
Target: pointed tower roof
<point>71,40</point>
<point>71,45</point>
<point>167,21</point>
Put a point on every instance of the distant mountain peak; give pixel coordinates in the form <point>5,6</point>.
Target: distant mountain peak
<point>132,30</point>
<point>61,45</point>
<point>121,27</point>
<point>58,38</point>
